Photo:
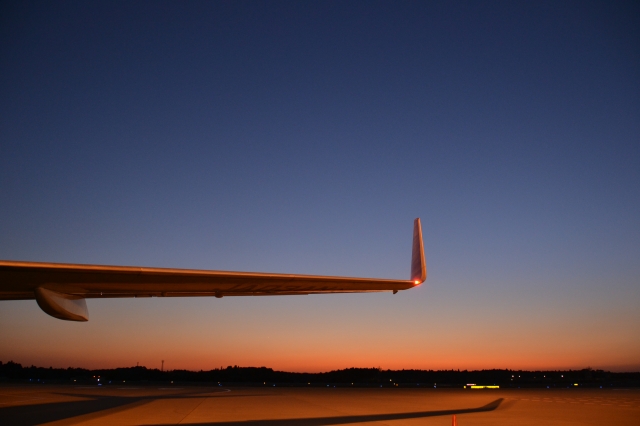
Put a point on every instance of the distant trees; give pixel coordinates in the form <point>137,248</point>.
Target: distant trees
<point>363,377</point>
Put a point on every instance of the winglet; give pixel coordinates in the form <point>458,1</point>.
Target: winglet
<point>418,264</point>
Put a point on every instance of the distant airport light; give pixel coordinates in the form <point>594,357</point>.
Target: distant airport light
<point>483,387</point>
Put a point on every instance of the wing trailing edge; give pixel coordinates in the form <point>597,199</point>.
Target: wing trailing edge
<point>61,288</point>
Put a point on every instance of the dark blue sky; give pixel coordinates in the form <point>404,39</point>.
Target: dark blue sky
<point>305,137</point>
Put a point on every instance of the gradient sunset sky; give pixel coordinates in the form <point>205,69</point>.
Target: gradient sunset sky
<point>305,137</point>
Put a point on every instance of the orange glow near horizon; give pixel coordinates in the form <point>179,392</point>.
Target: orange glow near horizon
<point>304,362</point>
<point>308,335</point>
<point>427,328</point>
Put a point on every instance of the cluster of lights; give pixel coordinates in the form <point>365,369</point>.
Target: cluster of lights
<point>471,386</point>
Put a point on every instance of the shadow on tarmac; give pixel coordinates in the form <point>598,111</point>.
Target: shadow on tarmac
<point>24,415</point>
<point>341,420</point>
<point>33,414</point>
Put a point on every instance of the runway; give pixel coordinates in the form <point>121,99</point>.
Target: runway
<point>195,405</point>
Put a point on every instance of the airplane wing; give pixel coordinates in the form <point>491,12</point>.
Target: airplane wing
<point>60,289</point>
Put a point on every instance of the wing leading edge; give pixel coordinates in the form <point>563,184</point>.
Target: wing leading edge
<point>60,289</point>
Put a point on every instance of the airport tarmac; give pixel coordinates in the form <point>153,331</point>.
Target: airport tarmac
<point>167,405</point>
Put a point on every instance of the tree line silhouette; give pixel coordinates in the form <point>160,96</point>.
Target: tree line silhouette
<point>360,377</point>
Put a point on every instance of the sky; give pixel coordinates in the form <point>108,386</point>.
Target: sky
<point>305,137</point>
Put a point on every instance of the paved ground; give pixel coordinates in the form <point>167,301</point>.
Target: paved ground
<point>158,405</point>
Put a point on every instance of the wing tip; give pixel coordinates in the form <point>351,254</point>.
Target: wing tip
<point>418,263</point>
